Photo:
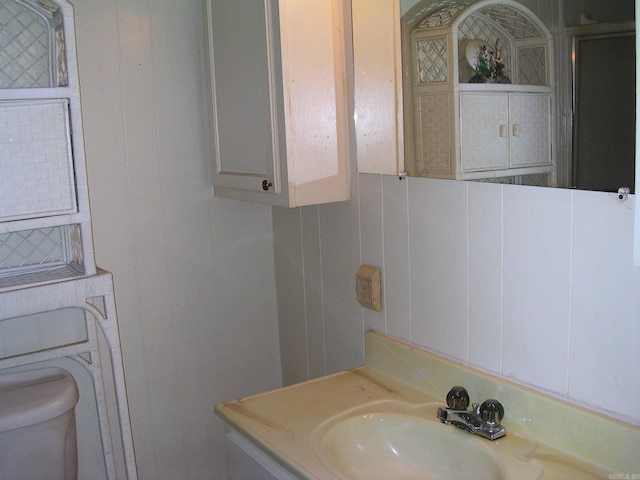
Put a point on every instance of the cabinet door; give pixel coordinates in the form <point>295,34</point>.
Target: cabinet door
<point>248,462</point>
<point>243,48</point>
<point>281,110</point>
<point>484,136</point>
<point>530,119</point>
<point>378,86</point>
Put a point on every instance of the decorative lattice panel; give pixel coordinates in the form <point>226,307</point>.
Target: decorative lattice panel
<point>532,180</point>
<point>31,248</point>
<point>24,47</point>
<point>432,60</point>
<point>511,180</point>
<point>495,26</point>
<point>40,247</point>
<point>515,23</point>
<point>40,255</point>
<point>536,180</point>
<point>441,14</point>
<point>532,66</point>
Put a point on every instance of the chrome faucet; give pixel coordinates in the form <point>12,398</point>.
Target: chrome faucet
<point>483,420</point>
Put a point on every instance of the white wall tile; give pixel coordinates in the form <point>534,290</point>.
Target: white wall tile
<point>340,244</point>
<point>605,325</point>
<point>555,279</point>
<point>537,252</point>
<point>287,247</point>
<point>314,291</point>
<point>439,265</point>
<point>485,276</point>
<point>372,239</point>
<point>396,284</point>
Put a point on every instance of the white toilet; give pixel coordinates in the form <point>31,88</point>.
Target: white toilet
<point>37,425</point>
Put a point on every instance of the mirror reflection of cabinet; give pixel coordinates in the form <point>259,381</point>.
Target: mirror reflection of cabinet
<point>504,131</point>
<point>469,123</point>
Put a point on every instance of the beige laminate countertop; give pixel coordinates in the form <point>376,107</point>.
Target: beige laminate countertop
<point>287,424</point>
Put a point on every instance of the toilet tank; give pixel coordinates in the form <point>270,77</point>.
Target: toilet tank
<point>37,425</point>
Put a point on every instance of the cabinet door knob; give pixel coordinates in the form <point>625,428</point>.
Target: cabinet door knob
<point>266,185</point>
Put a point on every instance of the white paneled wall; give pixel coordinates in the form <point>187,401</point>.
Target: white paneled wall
<point>532,284</point>
<point>193,275</point>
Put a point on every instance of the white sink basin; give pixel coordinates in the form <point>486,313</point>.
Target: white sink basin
<point>394,445</point>
<point>391,441</point>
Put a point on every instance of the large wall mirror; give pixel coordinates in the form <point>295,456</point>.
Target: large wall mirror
<point>520,92</point>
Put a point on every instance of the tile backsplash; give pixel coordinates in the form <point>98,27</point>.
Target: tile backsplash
<point>533,284</point>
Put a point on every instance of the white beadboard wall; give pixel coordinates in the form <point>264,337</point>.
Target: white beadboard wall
<point>194,275</point>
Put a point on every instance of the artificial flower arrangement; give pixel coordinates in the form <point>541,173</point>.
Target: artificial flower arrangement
<point>489,67</point>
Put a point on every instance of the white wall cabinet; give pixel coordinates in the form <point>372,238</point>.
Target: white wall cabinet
<point>468,123</point>
<point>279,100</point>
<point>504,131</point>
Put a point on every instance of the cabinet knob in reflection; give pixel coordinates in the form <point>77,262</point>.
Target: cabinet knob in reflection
<point>266,185</point>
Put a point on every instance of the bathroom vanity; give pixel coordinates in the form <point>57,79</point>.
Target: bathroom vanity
<point>343,425</point>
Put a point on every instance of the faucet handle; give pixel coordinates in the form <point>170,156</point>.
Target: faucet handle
<point>458,398</point>
<point>491,412</point>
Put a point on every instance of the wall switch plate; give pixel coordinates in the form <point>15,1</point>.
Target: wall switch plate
<point>368,287</point>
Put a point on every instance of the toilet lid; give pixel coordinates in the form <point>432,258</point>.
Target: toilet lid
<point>30,397</point>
